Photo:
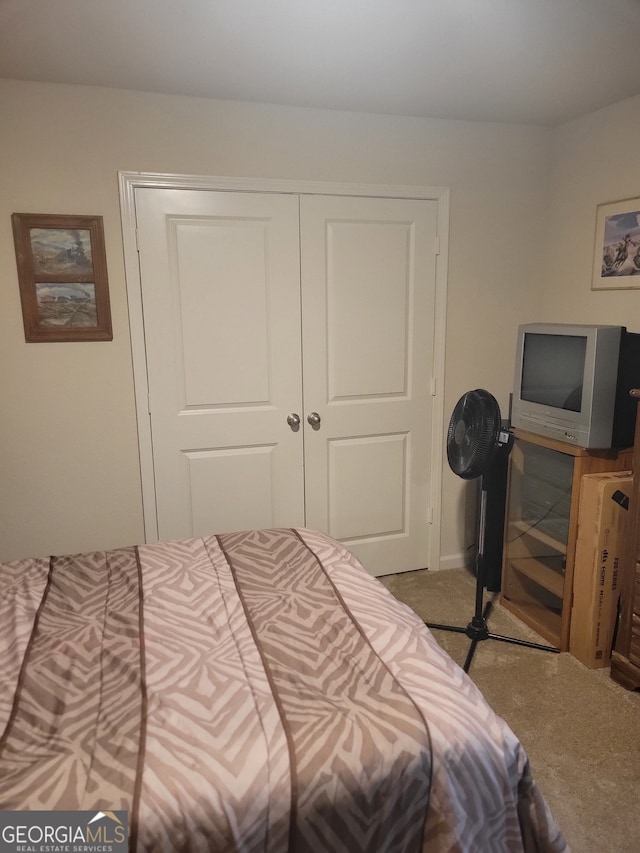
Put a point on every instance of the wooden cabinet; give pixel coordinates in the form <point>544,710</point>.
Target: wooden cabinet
<point>541,527</point>
<point>625,660</point>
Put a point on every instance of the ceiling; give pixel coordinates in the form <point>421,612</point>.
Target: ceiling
<point>535,61</point>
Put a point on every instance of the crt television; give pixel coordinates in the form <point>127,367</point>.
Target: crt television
<point>572,383</point>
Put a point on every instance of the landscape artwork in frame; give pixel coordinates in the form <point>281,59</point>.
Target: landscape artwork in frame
<point>62,273</point>
<point>616,260</point>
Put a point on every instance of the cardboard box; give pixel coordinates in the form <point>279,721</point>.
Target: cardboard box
<point>600,548</point>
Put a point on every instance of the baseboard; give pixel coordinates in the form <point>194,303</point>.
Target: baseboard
<point>463,560</point>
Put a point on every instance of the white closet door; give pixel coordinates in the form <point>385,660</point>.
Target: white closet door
<point>220,277</point>
<point>368,296</point>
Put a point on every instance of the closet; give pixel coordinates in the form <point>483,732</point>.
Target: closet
<point>289,346</point>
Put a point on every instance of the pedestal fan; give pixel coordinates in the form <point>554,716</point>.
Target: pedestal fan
<point>475,442</point>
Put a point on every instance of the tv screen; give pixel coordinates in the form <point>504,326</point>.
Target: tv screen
<point>553,370</point>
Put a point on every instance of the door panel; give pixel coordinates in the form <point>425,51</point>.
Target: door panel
<point>375,466</point>
<point>368,296</point>
<point>218,487</point>
<point>368,280</point>
<point>221,294</point>
<point>215,321</point>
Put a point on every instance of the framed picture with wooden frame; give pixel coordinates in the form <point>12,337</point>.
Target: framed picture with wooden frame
<point>62,272</point>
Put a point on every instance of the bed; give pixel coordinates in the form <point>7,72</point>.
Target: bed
<point>252,691</point>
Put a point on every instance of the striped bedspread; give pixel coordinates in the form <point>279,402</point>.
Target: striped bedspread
<point>254,691</point>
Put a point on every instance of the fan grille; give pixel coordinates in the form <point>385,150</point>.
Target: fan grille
<point>473,433</point>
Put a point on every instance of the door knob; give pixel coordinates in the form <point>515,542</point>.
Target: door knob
<point>314,419</point>
<point>294,421</point>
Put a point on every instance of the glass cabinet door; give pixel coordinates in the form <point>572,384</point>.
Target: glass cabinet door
<point>536,535</point>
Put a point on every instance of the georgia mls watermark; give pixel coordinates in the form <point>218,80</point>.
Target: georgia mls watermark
<point>64,832</point>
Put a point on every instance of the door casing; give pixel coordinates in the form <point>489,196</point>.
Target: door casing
<point>130,181</point>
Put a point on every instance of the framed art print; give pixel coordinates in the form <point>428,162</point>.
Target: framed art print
<point>62,273</point>
<point>616,258</point>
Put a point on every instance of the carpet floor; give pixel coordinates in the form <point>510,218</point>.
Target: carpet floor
<point>580,729</point>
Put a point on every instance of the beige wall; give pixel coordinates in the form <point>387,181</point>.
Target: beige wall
<point>69,475</point>
<point>595,161</point>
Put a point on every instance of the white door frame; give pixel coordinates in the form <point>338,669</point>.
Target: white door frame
<point>130,181</point>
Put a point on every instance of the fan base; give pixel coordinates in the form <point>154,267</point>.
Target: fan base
<point>478,630</point>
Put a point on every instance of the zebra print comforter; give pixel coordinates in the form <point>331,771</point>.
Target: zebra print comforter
<point>254,691</point>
